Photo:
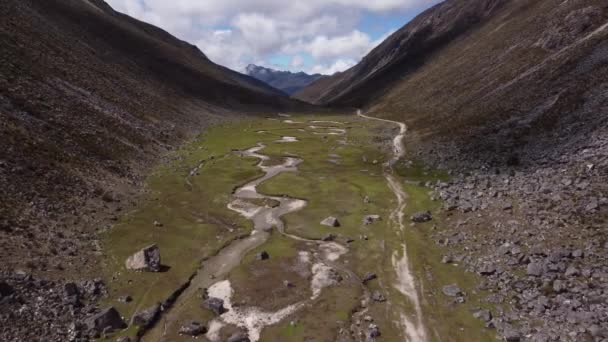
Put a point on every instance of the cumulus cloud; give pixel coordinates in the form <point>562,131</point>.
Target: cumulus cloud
<point>237,32</point>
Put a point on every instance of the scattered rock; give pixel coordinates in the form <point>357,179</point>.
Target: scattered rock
<point>373,331</point>
<point>123,339</point>
<point>193,329</point>
<point>331,222</point>
<point>484,315</point>
<point>487,269</point>
<point>146,317</point>
<point>369,277</point>
<point>6,289</point>
<point>263,255</point>
<point>510,334</point>
<point>214,304</point>
<point>157,224</point>
<point>422,217</point>
<point>125,299</point>
<point>147,259</point>
<point>239,337</point>
<point>369,219</point>
<point>329,237</point>
<point>535,269</point>
<point>377,296</point>
<point>452,290</point>
<point>108,319</point>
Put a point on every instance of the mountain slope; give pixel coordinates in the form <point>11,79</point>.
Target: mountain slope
<point>89,99</point>
<point>286,81</point>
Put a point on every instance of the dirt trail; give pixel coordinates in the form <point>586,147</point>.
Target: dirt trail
<point>406,284</point>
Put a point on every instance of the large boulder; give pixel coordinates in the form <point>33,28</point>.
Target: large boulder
<point>239,337</point>
<point>193,329</point>
<point>107,320</point>
<point>369,219</point>
<point>422,217</point>
<point>331,222</point>
<point>147,259</point>
<point>146,317</point>
<point>214,304</point>
<point>452,290</point>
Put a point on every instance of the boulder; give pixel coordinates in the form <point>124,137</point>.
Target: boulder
<point>535,269</point>
<point>377,296</point>
<point>369,219</point>
<point>214,304</point>
<point>373,331</point>
<point>484,315</point>
<point>422,217</point>
<point>329,237</point>
<point>147,259</point>
<point>6,289</point>
<point>263,255</point>
<point>331,222</point>
<point>124,339</point>
<point>193,329</point>
<point>146,317</point>
<point>452,290</point>
<point>239,337</point>
<point>107,320</point>
<point>369,277</point>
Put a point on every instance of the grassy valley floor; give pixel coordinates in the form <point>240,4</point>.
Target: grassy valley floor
<point>311,286</point>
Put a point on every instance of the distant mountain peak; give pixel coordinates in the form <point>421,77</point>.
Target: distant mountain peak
<point>286,81</point>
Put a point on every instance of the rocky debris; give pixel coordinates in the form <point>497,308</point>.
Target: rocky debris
<point>214,304</point>
<point>193,329</point>
<point>146,317</point>
<point>288,284</point>
<point>329,237</point>
<point>422,217</point>
<point>366,200</point>
<point>331,222</point>
<point>369,219</point>
<point>157,224</point>
<point>511,334</point>
<point>452,290</point>
<point>147,259</point>
<point>263,255</point>
<point>484,315</point>
<point>107,320</point>
<point>368,277</point>
<point>123,339</point>
<point>6,289</point>
<point>238,337</point>
<point>377,296</point>
<point>373,331</point>
<point>125,299</point>
<point>55,309</point>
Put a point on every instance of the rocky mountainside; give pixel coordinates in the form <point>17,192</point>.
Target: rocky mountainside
<point>511,97</point>
<point>286,81</point>
<point>89,98</point>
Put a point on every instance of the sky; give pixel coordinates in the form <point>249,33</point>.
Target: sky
<point>314,36</point>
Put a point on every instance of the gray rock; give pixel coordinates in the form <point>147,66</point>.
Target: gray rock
<point>6,289</point>
<point>193,329</point>
<point>452,290</point>
<point>369,277</point>
<point>214,304</point>
<point>70,289</point>
<point>572,272</point>
<point>146,317</point>
<point>373,331</point>
<point>263,255</point>
<point>369,219</point>
<point>108,319</point>
<point>123,339</point>
<point>239,337</point>
<point>331,222</point>
<point>147,259</point>
<point>329,237</point>
<point>422,217</point>
<point>377,296</point>
<point>487,269</point>
<point>484,315</point>
<point>535,269</point>
<point>510,334</point>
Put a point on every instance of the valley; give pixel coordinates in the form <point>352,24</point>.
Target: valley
<point>262,187</point>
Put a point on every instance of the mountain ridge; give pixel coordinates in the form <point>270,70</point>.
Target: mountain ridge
<point>286,81</point>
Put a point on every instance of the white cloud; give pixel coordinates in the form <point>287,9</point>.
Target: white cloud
<point>237,32</point>
<point>337,66</point>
